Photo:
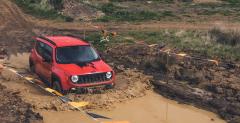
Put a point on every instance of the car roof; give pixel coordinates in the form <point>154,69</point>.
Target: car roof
<point>62,41</point>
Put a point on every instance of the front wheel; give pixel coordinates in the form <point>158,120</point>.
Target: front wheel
<point>110,86</point>
<point>57,86</point>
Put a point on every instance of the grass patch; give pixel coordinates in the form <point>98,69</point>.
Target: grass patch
<point>95,37</point>
<point>115,13</point>
<point>167,1</point>
<point>195,42</point>
<point>226,37</point>
<point>232,1</point>
<point>42,9</point>
<point>190,41</point>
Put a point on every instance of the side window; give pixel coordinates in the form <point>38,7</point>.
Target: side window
<point>47,50</point>
<point>39,48</point>
<point>44,50</point>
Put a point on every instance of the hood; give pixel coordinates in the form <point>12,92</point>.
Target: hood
<point>76,69</point>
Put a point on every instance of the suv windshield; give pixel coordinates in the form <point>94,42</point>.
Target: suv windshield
<point>76,54</point>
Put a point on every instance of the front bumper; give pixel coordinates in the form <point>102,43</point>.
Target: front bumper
<point>92,88</point>
<point>71,86</point>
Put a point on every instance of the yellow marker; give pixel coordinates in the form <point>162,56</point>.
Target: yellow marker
<point>78,104</point>
<point>14,71</point>
<point>53,91</point>
<point>115,122</point>
<point>152,45</point>
<point>182,54</point>
<point>28,78</point>
<point>214,61</point>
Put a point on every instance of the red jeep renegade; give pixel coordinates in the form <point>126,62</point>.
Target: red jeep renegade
<point>67,63</point>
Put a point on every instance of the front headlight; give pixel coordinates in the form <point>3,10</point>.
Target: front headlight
<point>109,75</point>
<point>74,78</point>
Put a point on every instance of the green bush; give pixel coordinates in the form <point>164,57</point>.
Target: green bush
<point>231,37</point>
<point>116,13</point>
<point>233,1</point>
<point>194,41</point>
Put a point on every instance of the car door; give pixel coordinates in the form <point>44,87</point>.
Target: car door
<point>44,61</point>
<point>46,69</point>
<point>39,58</point>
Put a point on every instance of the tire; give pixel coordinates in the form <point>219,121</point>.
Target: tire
<point>110,86</point>
<point>57,86</point>
<point>31,66</point>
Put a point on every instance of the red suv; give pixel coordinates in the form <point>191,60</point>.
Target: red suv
<point>67,63</point>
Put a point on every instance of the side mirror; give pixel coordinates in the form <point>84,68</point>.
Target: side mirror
<point>100,55</point>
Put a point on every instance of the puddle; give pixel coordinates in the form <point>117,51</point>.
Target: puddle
<point>154,108</point>
<point>65,117</point>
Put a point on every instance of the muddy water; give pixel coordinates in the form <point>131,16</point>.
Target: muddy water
<point>65,117</point>
<point>151,108</point>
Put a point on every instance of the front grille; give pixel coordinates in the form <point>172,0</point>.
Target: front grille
<point>92,78</point>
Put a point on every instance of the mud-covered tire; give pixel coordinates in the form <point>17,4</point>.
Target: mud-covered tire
<point>31,66</point>
<point>110,86</point>
<point>57,86</point>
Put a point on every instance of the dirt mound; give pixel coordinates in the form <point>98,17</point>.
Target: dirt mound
<point>13,109</point>
<point>194,81</point>
<point>14,29</point>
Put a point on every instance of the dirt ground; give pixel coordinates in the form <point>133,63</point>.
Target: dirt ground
<point>133,90</point>
<point>13,109</point>
<point>200,83</point>
<point>139,68</point>
<point>130,84</point>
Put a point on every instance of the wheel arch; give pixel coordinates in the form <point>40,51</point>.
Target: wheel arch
<point>55,77</point>
<point>62,80</point>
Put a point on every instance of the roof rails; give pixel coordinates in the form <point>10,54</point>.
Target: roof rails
<point>48,40</point>
<point>77,37</point>
<point>74,36</point>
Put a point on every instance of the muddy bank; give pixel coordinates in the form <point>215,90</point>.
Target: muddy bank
<point>203,84</point>
<point>13,109</point>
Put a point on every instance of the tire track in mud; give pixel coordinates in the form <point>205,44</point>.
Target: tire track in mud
<point>14,28</point>
<point>14,12</point>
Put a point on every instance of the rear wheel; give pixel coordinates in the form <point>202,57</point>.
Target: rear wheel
<point>57,86</point>
<point>31,66</point>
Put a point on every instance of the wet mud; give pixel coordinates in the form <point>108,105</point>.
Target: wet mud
<point>14,110</point>
<point>130,84</point>
<point>140,68</point>
<point>200,83</point>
